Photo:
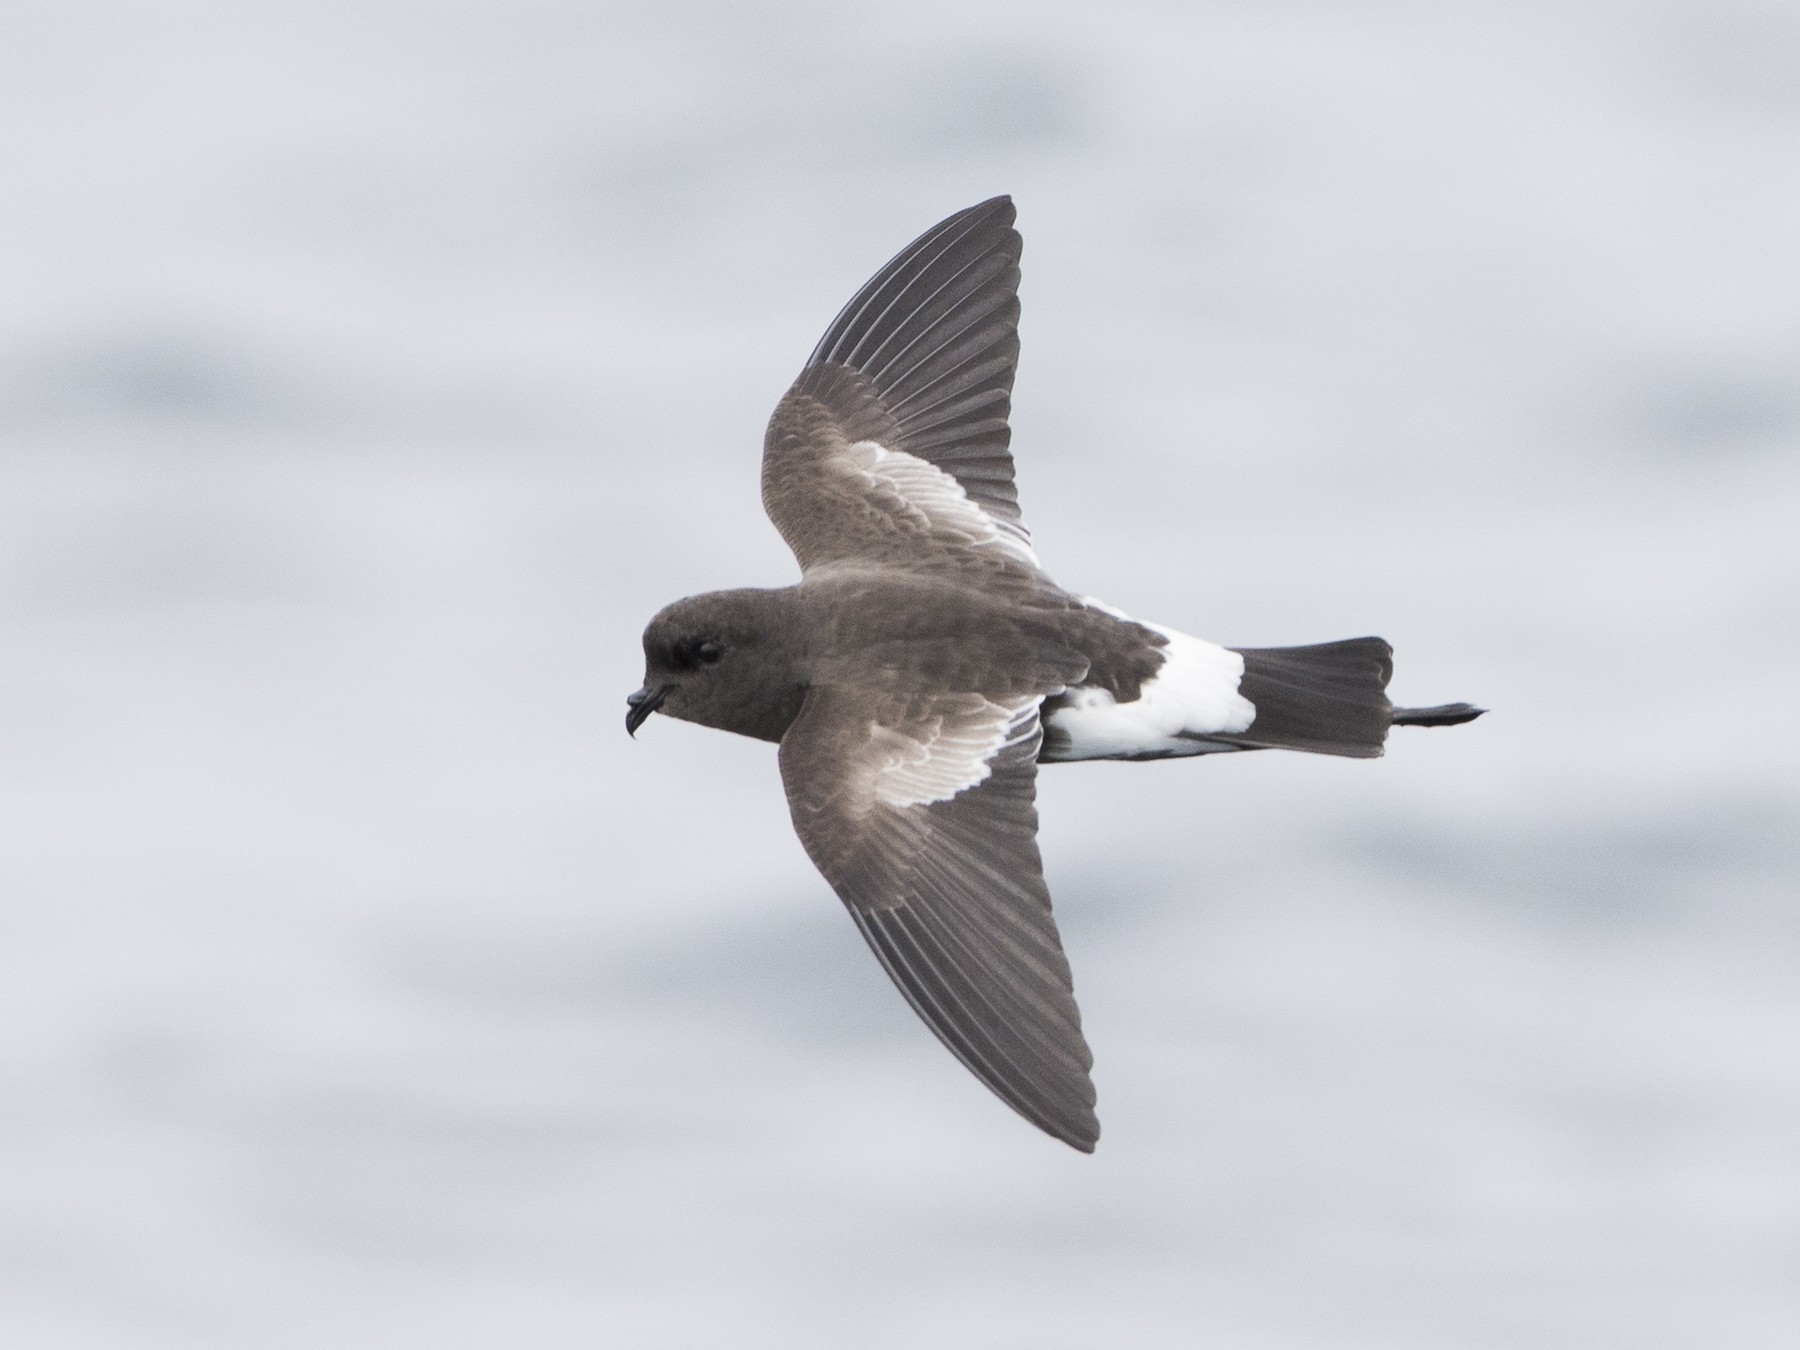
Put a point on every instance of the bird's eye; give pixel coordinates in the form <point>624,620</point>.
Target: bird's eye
<point>708,652</point>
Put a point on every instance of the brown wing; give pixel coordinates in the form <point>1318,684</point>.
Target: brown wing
<point>892,444</point>
<point>920,812</point>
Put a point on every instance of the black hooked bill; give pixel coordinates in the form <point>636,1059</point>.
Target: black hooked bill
<point>641,704</point>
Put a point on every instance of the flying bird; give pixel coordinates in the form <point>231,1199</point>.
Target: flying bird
<point>925,664</point>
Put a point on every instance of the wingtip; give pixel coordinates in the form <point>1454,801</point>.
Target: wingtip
<point>1000,207</point>
<point>1081,1135</point>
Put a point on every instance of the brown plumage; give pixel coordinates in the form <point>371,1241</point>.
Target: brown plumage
<point>925,663</point>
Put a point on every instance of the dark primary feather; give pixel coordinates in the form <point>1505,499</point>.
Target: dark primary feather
<point>936,333</point>
<point>950,895</point>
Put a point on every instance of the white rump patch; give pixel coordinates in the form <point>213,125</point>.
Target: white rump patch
<point>938,500</point>
<point>1194,693</point>
<point>949,754</point>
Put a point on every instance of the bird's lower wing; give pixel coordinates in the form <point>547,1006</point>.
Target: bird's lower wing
<point>923,819</point>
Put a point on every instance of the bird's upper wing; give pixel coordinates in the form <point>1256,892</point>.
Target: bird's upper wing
<point>892,445</point>
<point>920,811</point>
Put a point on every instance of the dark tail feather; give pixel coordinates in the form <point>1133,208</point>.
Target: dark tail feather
<point>1329,698</point>
<point>1444,715</point>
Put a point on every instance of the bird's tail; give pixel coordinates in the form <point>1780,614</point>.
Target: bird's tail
<point>1329,698</point>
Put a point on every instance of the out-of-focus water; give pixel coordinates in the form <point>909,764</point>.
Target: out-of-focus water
<point>369,374</point>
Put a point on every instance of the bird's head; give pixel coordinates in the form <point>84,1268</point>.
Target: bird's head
<point>728,659</point>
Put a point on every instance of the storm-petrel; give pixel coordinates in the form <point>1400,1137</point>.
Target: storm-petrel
<point>925,664</point>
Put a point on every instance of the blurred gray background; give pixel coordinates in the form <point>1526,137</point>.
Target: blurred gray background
<point>370,373</point>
